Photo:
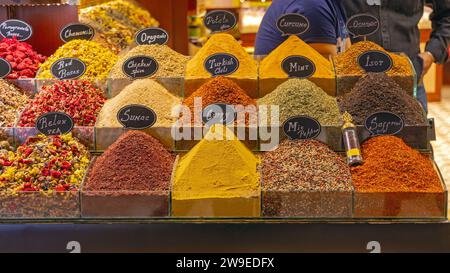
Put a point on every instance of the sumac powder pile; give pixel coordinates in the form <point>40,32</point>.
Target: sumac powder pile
<point>376,92</point>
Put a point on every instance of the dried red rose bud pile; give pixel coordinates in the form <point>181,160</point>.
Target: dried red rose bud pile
<point>79,99</point>
<point>24,61</point>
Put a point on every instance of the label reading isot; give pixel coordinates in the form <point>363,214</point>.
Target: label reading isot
<point>152,36</point>
<point>384,123</point>
<point>137,117</point>
<point>375,61</point>
<point>77,31</point>
<point>361,25</point>
<point>68,69</point>
<point>16,28</point>
<point>219,113</point>
<point>140,67</point>
<point>292,24</point>
<point>301,127</point>
<point>220,20</point>
<point>298,67</point>
<point>54,123</point>
<point>221,64</point>
<point>5,68</point>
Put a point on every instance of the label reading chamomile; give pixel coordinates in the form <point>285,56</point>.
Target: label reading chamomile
<point>54,123</point>
<point>221,64</point>
<point>140,67</point>
<point>5,68</point>
<point>361,25</point>
<point>16,28</point>
<point>152,36</point>
<point>220,20</point>
<point>68,69</point>
<point>77,31</point>
<point>301,127</point>
<point>292,24</point>
<point>219,113</point>
<point>298,67</point>
<point>384,123</point>
<point>137,117</point>
<point>375,61</point>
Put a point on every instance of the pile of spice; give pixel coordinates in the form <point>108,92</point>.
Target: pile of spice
<point>24,61</point>
<point>297,97</point>
<point>12,101</point>
<point>377,92</point>
<point>98,59</point>
<point>305,178</point>
<point>217,178</point>
<point>5,146</point>
<point>79,99</point>
<point>170,62</point>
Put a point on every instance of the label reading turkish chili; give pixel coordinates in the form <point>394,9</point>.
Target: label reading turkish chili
<point>77,31</point>
<point>54,123</point>
<point>140,67</point>
<point>219,113</point>
<point>301,127</point>
<point>298,67</point>
<point>292,24</point>
<point>152,36</point>
<point>68,68</point>
<point>16,28</point>
<point>384,123</point>
<point>5,68</point>
<point>221,64</point>
<point>362,25</point>
<point>220,20</point>
<point>375,61</point>
<point>137,117</point>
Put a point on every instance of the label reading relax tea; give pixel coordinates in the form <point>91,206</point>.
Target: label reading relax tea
<point>220,20</point>
<point>362,25</point>
<point>221,64</point>
<point>137,117</point>
<point>298,67</point>
<point>16,28</point>
<point>219,113</point>
<point>375,61</point>
<point>5,68</point>
<point>152,36</point>
<point>68,69</point>
<point>77,31</point>
<point>301,127</point>
<point>54,123</point>
<point>140,67</point>
<point>292,24</point>
<point>384,123</point>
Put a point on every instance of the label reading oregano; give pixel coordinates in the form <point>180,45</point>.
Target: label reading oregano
<point>292,24</point>
<point>301,127</point>
<point>137,117</point>
<point>375,61</point>
<point>298,67</point>
<point>362,25</point>
<point>219,113</point>
<point>140,67</point>
<point>152,36</point>
<point>221,64</point>
<point>384,123</point>
<point>5,68</point>
<point>54,123</point>
<point>220,20</point>
<point>68,68</point>
<point>77,31</point>
<point>16,28</point>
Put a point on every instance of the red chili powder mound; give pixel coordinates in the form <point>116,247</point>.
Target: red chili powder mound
<point>392,166</point>
<point>135,162</point>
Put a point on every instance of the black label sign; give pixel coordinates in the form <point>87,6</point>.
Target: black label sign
<point>77,31</point>
<point>363,25</point>
<point>301,127</point>
<point>219,113</point>
<point>137,117</point>
<point>221,64</point>
<point>298,67</point>
<point>292,24</point>
<point>140,67</point>
<point>5,68</point>
<point>220,20</point>
<point>152,36</point>
<point>384,123</point>
<point>16,28</point>
<point>68,68</point>
<point>54,123</point>
<point>375,61</point>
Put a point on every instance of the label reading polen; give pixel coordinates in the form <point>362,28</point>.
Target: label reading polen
<point>292,24</point>
<point>140,67</point>
<point>301,127</point>
<point>220,20</point>
<point>298,67</point>
<point>16,28</point>
<point>362,25</point>
<point>384,123</point>
<point>221,64</point>
<point>54,123</point>
<point>375,61</point>
<point>219,113</point>
<point>68,68</point>
<point>77,31</point>
<point>137,117</point>
<point>5,68</point>
<point>152,36</point>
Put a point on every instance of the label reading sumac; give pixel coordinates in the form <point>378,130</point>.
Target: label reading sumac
<point>137,117</point>
<point>152,36</point>
<point>220,20</point>
<point>219,113</point>
<point>77,31</point>
<point>140,67</point>
<point>292,24</point>
<point>298,67</point>
<point>375,61</point>
<point>5,68</point>
<point>221,64</point>
<point>384,123</point>
<point>54,123</point>
<point>68,68</point>
<point>301,127</point>
<point>16,28</point>
<point>362,25</point>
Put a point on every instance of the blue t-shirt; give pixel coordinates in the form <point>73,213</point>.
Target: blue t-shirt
<point>326,19</point>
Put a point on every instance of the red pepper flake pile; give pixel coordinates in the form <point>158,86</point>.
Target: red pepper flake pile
<point>79,99</point>
<point>24,61</point>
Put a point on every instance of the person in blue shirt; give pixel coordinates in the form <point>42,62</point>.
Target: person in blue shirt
<point>327,32</point>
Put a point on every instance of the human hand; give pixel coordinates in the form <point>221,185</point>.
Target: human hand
<point>428,60</point>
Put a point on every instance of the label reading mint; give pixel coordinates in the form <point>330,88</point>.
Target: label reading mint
<point>301,127</point>
<point>68,69</point>
<point>362,25</point>
<point>219,113</point>
<point>5,68</point>
<point>152,36</point>
<point>137,117</point>
<point>54,123</point>
<point>384,123</point>
<point>220,20</point>
<point>375,61</point>
<point>77,31</point>
<point>292,24</point>
<point>298,67</point>
<point>140,67</point>
<point>221,64</point>
<point>16,28</point>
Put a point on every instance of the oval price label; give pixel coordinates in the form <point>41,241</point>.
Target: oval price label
<point>77,31</point>
<point>220,20</point>
<point>292,24</point>
<point>68,69</point>
<point>54,123</point>
<point>375,61</point>
<point>140,67</point>
<point>384,123</point>
<point>362,25</point>
<point>221,64</point>
<point>5,68</point>
<point>137,117</point>
<point>152,36</point>
<point>298,67</point>
<point>16,28</point>
<point>219,113</point>
<point>301,127</point>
